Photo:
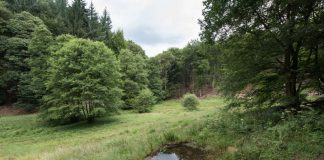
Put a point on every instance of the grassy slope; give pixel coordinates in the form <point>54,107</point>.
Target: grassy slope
<point>125,136</point>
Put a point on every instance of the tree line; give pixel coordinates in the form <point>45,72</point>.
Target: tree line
<point>66,61</point>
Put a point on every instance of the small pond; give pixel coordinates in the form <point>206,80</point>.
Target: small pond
<point>179,151</point>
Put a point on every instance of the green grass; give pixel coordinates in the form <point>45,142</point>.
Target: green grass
<point>224,134</point>
<point>256,134</point>
<point>121,137</point>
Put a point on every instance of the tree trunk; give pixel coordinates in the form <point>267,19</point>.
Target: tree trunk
<point>291,66</point>
<point>91,119</point>
<point>10,97</point>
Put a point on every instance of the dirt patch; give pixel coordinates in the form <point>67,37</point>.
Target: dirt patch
<point>9,110</point>
<point>320,157</point>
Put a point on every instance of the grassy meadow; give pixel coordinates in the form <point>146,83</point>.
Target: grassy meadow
<point>128,135</point>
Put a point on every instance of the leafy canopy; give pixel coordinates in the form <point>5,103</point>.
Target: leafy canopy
<point>273,46</point>
<point>83,82</point>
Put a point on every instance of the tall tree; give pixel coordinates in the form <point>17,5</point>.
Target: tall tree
<point>56,18</point>
<point>5,15</point>
<point>155,81</point>
<point>32,85</point>
<point>83,82</point>
<point>94,25</point>
<point>135,48</point>
<point>134,75</point>
<point>23,5</point>
<point>117,42</point>
<point>79,18</point>
<point>106,33</point>
<point>16,55</point>
<point>288,30</point>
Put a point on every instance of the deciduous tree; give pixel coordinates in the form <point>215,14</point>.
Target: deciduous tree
<point>291,31</point>
<point>83,82</point>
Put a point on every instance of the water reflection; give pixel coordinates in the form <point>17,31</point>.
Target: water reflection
<point>182,151</point>
<point>165,156</point>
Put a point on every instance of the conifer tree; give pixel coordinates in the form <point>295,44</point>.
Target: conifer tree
<point>78,18</point>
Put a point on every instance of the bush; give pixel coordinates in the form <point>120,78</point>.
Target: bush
<point>190,101</point>
<point>144,101</point>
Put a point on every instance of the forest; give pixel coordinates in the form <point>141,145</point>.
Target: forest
<point>251,87</point>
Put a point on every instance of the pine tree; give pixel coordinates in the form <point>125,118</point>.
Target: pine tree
<point>58,22</point>
<point>79,18</point>
<point>105,22</point>
<point>94,26</point>
<point>105,28</point>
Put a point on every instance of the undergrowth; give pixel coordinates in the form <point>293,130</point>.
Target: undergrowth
<point>257,134</point>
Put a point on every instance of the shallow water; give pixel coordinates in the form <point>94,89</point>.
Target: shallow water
<point>184,151</point>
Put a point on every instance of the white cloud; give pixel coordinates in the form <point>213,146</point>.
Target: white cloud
<point>155,24</point>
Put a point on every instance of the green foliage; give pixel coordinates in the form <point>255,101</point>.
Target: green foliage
<point>116,42</point>
<point>191,69</point>
<point>190,101</point>
<point>83,82</point>
<point>155,81</point>
<point>32,86</point>
<point>78,18</point>
<point>135,48</point>
<point>267,49</point>
<point>260,134</point>
<point>5,15</point>
<point>61,18</point>
<point>168,66</point>
<point>134,76</point>
<point>170,137</point>
<point>23,24</point>
<point>60,41</point>
<point>14,75</point>
<point>144,101</point>
<point>94,25</point>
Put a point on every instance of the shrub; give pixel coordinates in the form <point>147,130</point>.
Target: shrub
<point>190,101</point>
<point>144,101</point>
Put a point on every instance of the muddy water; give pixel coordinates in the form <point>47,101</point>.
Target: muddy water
<point>181,151</point>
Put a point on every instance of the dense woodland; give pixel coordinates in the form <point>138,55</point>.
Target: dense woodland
<point>275,47</point>
<point>63,61</point>
<point>39,37</point>
<point>255,53</point>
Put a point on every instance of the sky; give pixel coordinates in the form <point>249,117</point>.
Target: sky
<point>156,25</point>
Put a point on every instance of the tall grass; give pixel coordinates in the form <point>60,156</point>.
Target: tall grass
<point>259,135</point>
<point>125,136</point>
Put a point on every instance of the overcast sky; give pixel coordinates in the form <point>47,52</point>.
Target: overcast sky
<point>156,25</point>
